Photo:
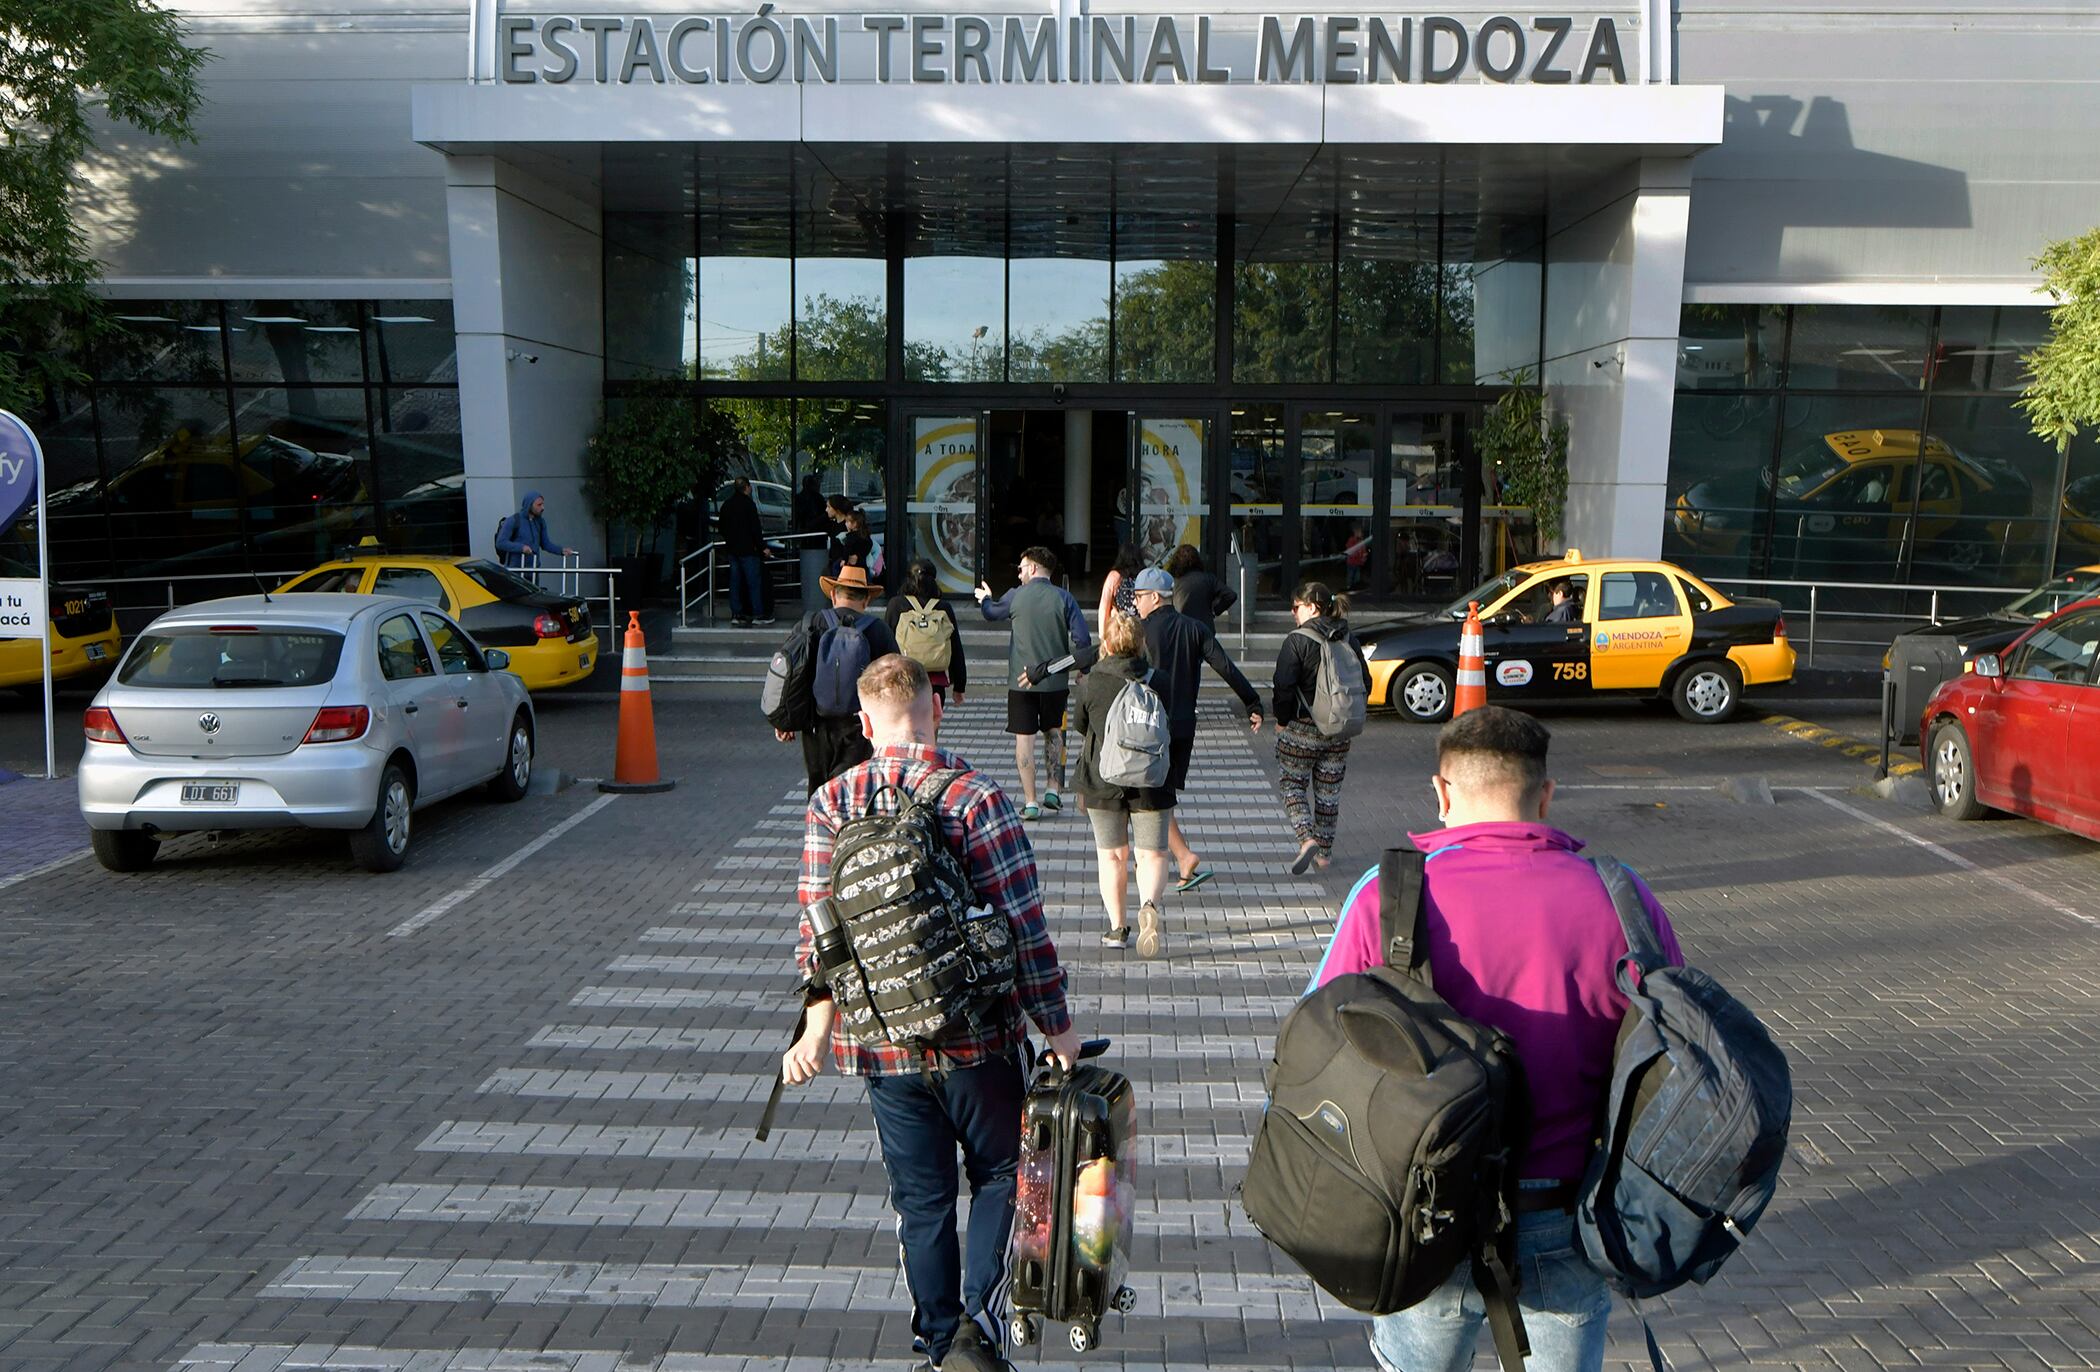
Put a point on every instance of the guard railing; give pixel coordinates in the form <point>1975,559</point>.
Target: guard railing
<point>1862,607</point>
<point>699,577</point>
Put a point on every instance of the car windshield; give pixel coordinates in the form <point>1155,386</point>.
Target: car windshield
<point>205,657</point>
<point>498,582</point>
<point>2051,596</point>
<point>1487,593</point>
<point>1807,472</point>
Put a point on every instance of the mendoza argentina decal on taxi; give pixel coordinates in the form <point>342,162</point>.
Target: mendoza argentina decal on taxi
<point>1576,628</point>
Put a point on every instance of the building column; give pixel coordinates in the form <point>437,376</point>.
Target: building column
<point>1079,483</point>
<point>527,301</point>
<point>1614,286</point>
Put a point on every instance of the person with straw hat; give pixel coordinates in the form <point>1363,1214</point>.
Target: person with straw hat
<point>834,646</point>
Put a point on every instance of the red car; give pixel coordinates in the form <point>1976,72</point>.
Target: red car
<point>2021,732</point>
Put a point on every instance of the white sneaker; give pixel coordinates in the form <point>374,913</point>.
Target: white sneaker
<point>1148,936</point>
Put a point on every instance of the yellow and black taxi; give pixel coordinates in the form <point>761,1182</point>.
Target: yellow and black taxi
<point>1848,498</point>
<point>83,635</point>
<point>549,637</point>
<point>1580,628</point>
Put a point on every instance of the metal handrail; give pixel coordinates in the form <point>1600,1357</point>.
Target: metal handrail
<point>713,593</point>
<point>573,576</point>
<point>1816,588</point>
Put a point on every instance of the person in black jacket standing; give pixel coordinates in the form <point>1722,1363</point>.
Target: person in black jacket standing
<point>1177,646</point>
<point>1310,764</point>
<point>744,540</point>
<point>1197,591</point>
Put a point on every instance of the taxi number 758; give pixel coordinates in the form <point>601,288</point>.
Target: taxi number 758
<point>1571,671</point>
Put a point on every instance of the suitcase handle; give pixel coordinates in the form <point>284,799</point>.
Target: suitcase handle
<point>1046,1068</point>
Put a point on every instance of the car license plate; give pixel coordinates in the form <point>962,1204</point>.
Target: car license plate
<point>210,792</point>
<point>97,651</point>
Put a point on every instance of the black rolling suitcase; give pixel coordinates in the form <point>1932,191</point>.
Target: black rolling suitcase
<point>1074,1195</point>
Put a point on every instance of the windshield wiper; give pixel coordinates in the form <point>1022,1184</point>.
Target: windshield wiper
<point>246,681</point>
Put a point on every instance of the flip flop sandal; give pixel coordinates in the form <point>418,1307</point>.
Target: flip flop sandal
<point>1193,880</point>
<point>1030,812</point>
<point>1051,802</point>
<point>1304,861</point>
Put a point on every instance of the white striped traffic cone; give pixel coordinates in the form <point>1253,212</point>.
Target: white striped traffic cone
<point>634,759</point>
<point>1472,665</point>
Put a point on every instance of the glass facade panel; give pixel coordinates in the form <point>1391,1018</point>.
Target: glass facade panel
<point>1386,301</point>
<point>1166,298</point>
<point>758,438</point>
<point>1987,496</point>
<point>410,343</point>
<point>162,341</point>
<point>1456,311</point>
<point>954,319</point>
<point>1058,288</point>
<point>65,427</point>
<point>1257,479</point>
<point>295,342</point>
<point>2078,536</point>
<point>1983,348</point>
<point>1428,508</point>
<point>1719,489</point>
<point>651,280</point>
<point>846,443</point>
<point>304,480</point>
<point>841,318</point>
<point>945,492</point>
<point>1172,508</point>
<point>1858,347</point>
<point>171,495</point>
<point>1841,497</point>
<point>1334,497</point>
<point>746,309</point>
<point>1730,346</point>
<point>1283,316</point>
<point>420,472</point>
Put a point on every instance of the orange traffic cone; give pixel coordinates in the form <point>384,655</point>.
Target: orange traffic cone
<point>1472,665</point>
<point>634,760</point>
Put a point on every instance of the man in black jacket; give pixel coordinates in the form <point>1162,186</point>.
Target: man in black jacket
<point>744,540</point>
<point>1197,591</point>
<point>1178,645</point>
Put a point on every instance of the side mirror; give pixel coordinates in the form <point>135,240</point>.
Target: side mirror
<point>496,658</point>
<point>1990,665</point>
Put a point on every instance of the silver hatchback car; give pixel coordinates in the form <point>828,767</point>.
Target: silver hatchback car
<point>319,711</point>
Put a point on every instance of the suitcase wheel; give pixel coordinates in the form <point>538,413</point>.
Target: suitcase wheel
<point>1082,1338</point>
<point>1126,1300</point>
<point>1020,1331</point>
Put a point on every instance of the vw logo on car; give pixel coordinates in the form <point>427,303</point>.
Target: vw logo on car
<point>208,722</point>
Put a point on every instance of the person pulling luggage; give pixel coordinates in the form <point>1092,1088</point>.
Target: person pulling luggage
<point>1320,690</point>
<point>942,1056</point>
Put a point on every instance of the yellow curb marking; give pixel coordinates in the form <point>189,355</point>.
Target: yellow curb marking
<point>1856,748</point>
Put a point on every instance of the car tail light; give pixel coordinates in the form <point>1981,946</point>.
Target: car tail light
<point>100,726</point>
<point>547,626</point>
<point>1779,629</point>
<point>338,724</point>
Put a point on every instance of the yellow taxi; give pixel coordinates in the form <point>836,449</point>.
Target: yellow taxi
<point>1578,628</point>
<point>549,637</point>
<point>83,635</point>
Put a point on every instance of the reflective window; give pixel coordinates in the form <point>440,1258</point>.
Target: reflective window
<point>1166,298</point>
<point>651,293</point>
<point>332,581</point>
<point>456,653</point>
<point>184,658</point>
<point>1283,316</point>
<point>1457,314</point>
<point>1982,348</point>
<point>1334,497</point>
<point>1858,347</point>
<point>1638,595</point>
<point>746,303</point>
<point>1428,507</point>
<point>2078,536</point>
<point>1058,288</point>
<point>1386,301</point>
<point>846,443</point>
<point>841,287</point>
<point>402,656</point>
<point>420,467</point>
<point>1729,346</point>
<point>2063,651</point>
<point>1718,495</point>
<point>162,341</point>
<point>1257,478</point>
<point>295,342</point>
<point>410,342</point>
<point>159,517</point>
<point>1840,506</point>
<point>954,319</point>
<point>304,477</point>
<point>416,583</point>
<point>1987,496</point>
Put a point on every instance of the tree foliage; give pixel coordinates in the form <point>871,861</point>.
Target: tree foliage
<point>1527,451</point>
<point>2063,386</point>
<point>63,65</point>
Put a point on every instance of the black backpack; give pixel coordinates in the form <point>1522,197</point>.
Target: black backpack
<point>788,698</point>
<point>1389,1150</point>
<point>1696,1124</point>
<point>925,955</point>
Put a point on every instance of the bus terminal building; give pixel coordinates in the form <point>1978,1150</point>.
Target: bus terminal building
<point>1242,278</point>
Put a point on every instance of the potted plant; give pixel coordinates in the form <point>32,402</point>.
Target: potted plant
<point>639,464</point>
<point>1524,456</point>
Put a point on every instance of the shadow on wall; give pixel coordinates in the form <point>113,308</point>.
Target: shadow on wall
<point>1770,142</point>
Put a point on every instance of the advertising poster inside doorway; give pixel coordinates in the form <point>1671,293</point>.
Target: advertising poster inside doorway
<point>1170,485</point>
<point>943,505</point>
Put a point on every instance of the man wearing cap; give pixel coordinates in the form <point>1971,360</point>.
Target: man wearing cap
<point>841,641</point>
<point>1177,646</point>
<point>1046,623</point>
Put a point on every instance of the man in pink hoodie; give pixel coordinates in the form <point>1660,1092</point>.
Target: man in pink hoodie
<point>1521,936</point>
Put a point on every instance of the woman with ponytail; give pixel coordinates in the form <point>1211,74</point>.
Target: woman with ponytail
<point>1312,763</point>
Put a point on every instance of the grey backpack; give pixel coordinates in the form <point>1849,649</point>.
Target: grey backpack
<point>1696,1124</point>
<point>1136,741</point>
<point>1338,702</point>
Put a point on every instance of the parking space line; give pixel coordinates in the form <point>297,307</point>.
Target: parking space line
<point>444,903</point>
<point>1858,749</point>
<point>50,866</point>
<point>1949,855</point>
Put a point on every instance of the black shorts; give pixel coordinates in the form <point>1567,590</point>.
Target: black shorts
<point>1178,751</point>
<point>1035,712</point>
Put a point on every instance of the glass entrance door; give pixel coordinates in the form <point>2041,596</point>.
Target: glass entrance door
<point>1168,469</point>
<point>1426,540</point>
<point>945,494</point>
<point>1338,471</point>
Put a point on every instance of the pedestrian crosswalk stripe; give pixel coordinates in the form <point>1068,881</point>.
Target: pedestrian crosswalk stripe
<point>1082,1002</point>
<point>326,1357</point>
<point>624,1038</point>
<point>604,1084</point>
<point>1178,963</point>
<point>734,1143</point>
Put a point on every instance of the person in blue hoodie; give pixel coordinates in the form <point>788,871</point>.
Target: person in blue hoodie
<point>521,538</point>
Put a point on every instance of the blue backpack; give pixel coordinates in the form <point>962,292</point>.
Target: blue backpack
<point>842,655</point>
<point>1696,1124</point>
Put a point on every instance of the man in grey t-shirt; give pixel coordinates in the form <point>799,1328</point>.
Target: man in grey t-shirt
<point>1044,617</point>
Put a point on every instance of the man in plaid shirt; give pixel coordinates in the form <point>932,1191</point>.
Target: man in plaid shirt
<point>968,1094</point>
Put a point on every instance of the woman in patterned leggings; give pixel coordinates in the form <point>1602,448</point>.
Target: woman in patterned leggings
<point>1312,764</point>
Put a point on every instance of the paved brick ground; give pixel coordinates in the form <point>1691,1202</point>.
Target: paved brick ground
<point>248,1129</point>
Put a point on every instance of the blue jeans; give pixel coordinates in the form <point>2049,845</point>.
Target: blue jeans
<point>921,1125</point>
<point>1564,1301</point>
<point>746,579</point>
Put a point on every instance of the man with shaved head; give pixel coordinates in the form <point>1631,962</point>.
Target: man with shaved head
<point>1522,936</point>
